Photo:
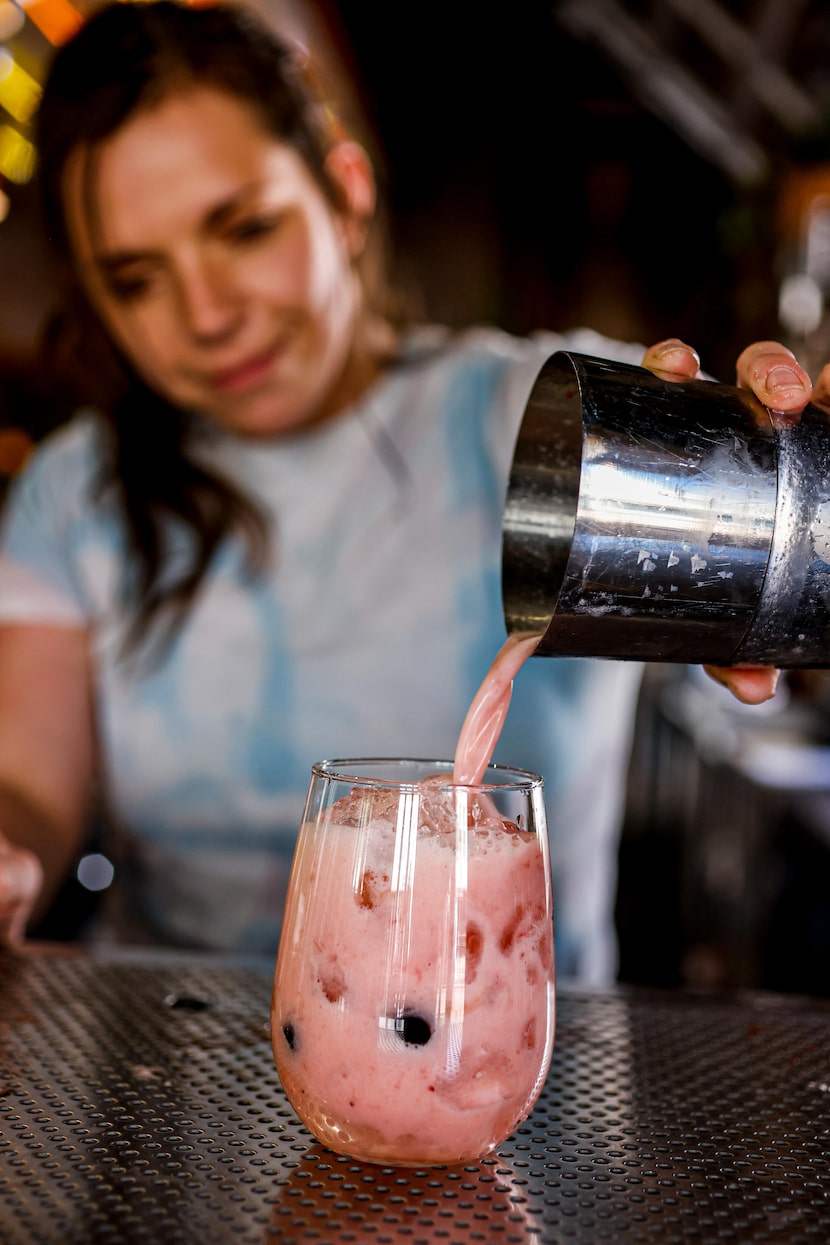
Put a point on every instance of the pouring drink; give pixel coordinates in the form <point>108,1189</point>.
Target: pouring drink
<point>412,1016</point>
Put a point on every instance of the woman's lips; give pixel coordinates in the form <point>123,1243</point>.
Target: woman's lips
<point>245,374</point>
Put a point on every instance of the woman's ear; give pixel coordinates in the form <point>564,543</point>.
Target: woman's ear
<point>350,168</point>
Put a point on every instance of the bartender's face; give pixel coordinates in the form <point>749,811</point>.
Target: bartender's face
<point>218,265</point>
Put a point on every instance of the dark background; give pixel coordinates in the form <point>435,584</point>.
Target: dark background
<point>531,183</point>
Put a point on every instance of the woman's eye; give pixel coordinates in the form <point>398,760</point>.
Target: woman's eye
<point>129,288</point>
<point>252,227</point>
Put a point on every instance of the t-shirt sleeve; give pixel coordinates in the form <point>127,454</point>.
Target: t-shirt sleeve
<point>39,525</point>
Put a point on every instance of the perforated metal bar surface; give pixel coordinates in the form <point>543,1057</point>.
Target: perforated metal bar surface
<point>139,1103</point>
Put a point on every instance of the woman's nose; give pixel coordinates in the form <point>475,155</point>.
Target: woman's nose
<point>208,303</point>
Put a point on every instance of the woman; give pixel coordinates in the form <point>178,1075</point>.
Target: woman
<point>276,537</point>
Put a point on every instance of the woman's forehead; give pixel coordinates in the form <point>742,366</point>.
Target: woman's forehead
<point>172,163</point>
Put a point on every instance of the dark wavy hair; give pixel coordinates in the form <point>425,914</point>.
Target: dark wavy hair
<point>128,57</point>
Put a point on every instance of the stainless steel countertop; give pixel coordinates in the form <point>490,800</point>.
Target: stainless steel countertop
<point>139,1103</point>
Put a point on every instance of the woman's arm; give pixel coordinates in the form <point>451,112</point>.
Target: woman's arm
<point>47,754</point>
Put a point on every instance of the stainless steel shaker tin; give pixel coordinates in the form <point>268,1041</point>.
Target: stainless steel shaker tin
<point>661,521</point>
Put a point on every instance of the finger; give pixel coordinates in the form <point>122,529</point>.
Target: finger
<point>775,376</point>
<point>821,389</point>
<point>21,877</point>
<point>672,359</point>
<point>14,918</point>
<point>752,685</point>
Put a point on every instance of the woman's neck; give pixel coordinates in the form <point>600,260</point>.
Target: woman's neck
<point>376,346</point>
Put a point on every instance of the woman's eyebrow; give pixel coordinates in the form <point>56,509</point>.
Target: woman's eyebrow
<point>108,264</point>
<point>217,215</point>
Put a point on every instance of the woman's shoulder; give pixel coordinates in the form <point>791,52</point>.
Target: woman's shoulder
<point>445,346</point>
<point>479,376</point>
<point>452,368</point>
<point>75,448</point>
<point>62,470</point>
<point>488,344</point>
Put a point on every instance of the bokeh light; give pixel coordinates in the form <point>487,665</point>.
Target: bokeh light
<point>12,19</point>
<point>19,92</point>
<point>55,19</point>
<point>17,156</point>
<point>95,872</point>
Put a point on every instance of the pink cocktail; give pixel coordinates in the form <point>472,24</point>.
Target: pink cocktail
<point>413,1006</point>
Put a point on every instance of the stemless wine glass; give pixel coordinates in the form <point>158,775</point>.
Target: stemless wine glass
<point>412,1014</point>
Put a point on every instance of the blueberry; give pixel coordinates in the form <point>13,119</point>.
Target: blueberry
<point>413,1029</point>
<point>289,1035</point>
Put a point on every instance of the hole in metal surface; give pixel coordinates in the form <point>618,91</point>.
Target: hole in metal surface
<point>187,1002</point>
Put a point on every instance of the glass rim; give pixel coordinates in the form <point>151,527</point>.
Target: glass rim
<point>338,769</point>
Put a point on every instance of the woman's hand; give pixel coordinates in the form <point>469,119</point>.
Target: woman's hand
<point>779,381</point>
<point>21,879</point>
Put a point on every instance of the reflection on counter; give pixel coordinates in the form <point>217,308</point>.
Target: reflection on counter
<point>725,854</point>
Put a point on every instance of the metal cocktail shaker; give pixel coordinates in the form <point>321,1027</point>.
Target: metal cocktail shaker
<point>668,522</point>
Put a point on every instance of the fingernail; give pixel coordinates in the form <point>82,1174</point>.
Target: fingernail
<point>782,377</point>
<point>676,348</point>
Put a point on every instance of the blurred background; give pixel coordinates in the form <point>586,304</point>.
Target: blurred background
<point>644,167</point>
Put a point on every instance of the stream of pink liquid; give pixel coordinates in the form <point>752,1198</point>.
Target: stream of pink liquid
<point>485,717</point>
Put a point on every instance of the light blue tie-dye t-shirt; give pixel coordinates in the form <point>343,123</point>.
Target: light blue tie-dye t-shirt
<point>367,634</point>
